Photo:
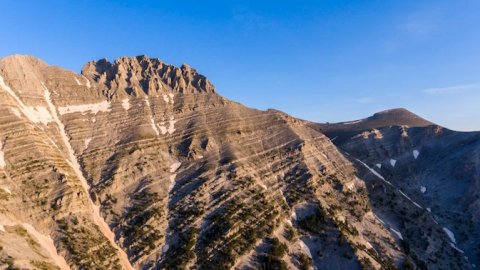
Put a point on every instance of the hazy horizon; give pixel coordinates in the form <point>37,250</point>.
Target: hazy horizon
<point>326,61</point>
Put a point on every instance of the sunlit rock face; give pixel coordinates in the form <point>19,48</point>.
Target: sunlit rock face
<point>137,164</point>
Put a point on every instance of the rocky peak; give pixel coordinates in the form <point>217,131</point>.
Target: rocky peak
<point>142,75</point>
<point>398,117</point>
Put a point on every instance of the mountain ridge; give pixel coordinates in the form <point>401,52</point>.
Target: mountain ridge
<point>182,177</point>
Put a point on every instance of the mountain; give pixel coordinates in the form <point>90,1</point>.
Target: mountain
<point>137,164</point>
<point>434,167</point>
<point>394,117</point>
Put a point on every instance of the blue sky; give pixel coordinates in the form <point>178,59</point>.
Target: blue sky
<point>317,60</point>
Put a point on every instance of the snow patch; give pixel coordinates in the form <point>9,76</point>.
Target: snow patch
<point>165,98</point>
<point>126,104</point>
<point>94,108</point>
<point>379,165</point>
<point>415,154</point>
<point>450,235</point>
<point>429,210</point>
<point>77,81</point>
<point>352,122</point>
<point>423,189</point>
<point>393,162</point>
<point>408,198</point>
<point>397,233</point>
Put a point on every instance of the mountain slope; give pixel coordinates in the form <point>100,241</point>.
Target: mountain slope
<point>394,117</point>
<point>434,166</point>
<point>136,163</point>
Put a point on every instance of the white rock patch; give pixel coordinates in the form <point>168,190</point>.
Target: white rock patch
<point>47,243</point>
<point>2,157</point>
<point>415,154</point>
<point>37,114</point>
<point>374,172</point>
<point>165,98</point>
<point>94,108</point>
<point>171,125</point>
<point>16,112</point>
<point>352,122</point>
<point>87,142</point>
<point>393,162</point>
<point>152,123</point>
<point>174,167</point>
<point>126,104</point>
<point>163,128</point>
<point>77,81</point>
<point>41,114</point>
<point>7,190</point>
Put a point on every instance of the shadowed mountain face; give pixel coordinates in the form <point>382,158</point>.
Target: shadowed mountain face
<point>137,164</point>
<point>436,168</point>
<point>394,117</point>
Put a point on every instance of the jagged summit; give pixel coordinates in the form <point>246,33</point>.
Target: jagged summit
<point>140,74</point>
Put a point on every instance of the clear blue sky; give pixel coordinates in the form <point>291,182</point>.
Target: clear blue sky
<point>318,60</point>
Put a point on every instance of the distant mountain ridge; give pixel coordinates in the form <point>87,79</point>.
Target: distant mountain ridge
<point>387,118</point>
